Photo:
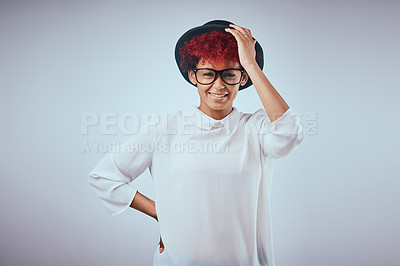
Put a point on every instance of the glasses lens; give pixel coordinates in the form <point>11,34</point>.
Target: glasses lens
<point>231,76</point>
<point>205,75</point>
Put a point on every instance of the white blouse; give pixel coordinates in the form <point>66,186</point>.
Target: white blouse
<point>212,182</point>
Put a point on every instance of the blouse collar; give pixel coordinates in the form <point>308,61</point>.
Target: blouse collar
<point>204,121</point>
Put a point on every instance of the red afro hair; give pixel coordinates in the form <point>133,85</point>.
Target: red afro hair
<point>213,46</point>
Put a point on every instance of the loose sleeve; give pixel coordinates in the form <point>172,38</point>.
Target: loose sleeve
<point>280,137</point>
<point>111,176</point>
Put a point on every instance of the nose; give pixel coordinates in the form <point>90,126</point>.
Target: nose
<point>218,82</point>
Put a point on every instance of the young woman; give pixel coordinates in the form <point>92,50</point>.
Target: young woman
<point>211,165</point>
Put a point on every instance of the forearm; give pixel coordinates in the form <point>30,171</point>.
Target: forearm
<point>273,103</point>
<point>142,203</point>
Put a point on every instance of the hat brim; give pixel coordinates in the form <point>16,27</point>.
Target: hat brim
<point>219,25</point>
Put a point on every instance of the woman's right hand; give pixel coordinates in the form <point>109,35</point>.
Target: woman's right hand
<point>161,244</point>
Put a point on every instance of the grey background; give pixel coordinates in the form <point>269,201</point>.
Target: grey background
<point>334,200</point>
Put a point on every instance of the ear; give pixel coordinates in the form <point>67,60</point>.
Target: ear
<point>192,76</point>
<point>244,78</point>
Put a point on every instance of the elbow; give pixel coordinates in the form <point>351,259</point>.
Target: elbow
<point>93,179</point>
<point>284,145</point>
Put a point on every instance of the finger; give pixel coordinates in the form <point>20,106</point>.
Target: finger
<point>236,34</point>
<point>238,28</point>
<point>243,35</point>
<point>161,245</point>
<point>244,31</point>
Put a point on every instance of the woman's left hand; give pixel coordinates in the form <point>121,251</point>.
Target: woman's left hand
<point>246,44</point>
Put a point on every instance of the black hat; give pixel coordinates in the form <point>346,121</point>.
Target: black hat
<point>207,27</point>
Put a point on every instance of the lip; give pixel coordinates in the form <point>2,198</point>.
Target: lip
<point>219,93</point>
<point>216,98</point>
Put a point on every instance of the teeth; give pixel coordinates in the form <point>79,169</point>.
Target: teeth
<point>217,95</point>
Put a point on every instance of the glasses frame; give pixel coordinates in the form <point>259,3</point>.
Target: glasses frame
<point>220,73</point>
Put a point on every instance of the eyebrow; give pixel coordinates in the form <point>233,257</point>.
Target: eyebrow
<point>218,70</point>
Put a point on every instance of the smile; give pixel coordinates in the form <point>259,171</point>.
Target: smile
<point>218,96</point>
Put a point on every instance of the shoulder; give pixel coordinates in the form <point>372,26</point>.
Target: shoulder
<point>259,116</point>
<point>175,117</point>
<point>170,122</point>
<point>154,121</point>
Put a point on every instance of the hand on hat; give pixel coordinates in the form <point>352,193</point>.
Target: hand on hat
<point>246,45</point>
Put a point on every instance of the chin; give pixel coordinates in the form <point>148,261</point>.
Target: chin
<point>219,106</point>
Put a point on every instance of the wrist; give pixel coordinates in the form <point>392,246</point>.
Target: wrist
<point>250,66</point>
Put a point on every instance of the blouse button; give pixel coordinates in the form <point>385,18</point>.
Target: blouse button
<point>218,124</point>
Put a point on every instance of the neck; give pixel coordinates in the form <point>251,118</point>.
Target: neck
<point>215,114</point>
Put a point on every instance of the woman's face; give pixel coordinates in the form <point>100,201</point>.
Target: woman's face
<point>209,102</point>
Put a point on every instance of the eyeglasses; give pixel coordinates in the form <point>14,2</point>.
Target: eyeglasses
<point>207,76</point>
